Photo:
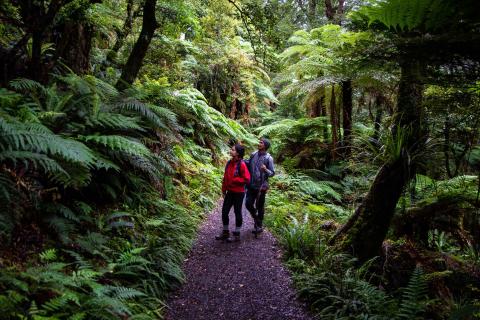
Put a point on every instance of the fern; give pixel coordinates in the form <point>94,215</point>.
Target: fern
<point>59,303</point>
<point>48,255</point>
<point>405,15</point>
<point>116,121</point>
<point>145,111</point>
<point>27,85</point>
<point>120,143</point>
<point>414,296</point>
<point>37,138</point>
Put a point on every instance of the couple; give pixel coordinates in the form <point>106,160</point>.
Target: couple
<point>252,174</point>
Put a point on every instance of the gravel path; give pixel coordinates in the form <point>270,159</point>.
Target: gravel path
<point>237,281</point>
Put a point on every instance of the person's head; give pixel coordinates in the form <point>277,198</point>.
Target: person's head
<point>232,142</point>
<point>263,144</point>
<point>237,151</point>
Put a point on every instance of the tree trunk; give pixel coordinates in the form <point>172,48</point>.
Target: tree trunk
<point>334,14</point>
<point>347,116</point>
<point>365,231</point>
<point>36,69</point>
<point>134,62</point>
<point>329,10</point>
<point>75,44</point>
<point>122,34</point>
<point>446,145</point>
<point>312,11</point>
<point>317,105</point>
<point>378,117</point>
<point>334,123</point>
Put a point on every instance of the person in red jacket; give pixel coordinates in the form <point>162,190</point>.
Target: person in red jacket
<point>235,178</point>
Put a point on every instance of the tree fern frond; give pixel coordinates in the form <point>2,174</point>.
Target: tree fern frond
<point>142,109</point>
<point>79,259</point>
<point>407,15</point>
<point>116,121</point>
<point>37,138</point>
<point>119,143</point>
<point>279,126</point>
<point>38,161</point>
<point>169,117</point>
<point>162,163</point>
<point>145,165</point>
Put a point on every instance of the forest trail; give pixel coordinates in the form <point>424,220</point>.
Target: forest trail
<point>236,281</point>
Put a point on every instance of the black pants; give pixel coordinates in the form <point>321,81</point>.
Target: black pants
<point>256,207</point>
<point>234,199</point>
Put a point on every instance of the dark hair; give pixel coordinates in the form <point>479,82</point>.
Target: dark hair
<point>266,142</point>
<point>232,142</point>
<point>240,150</point>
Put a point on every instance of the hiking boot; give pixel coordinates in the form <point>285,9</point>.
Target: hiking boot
<point>236,236</point>
<point>257,230</point>
<point>224,236</point>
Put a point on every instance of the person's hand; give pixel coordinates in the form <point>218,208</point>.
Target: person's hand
<point>263,168</point>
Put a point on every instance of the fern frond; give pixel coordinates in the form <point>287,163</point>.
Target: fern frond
<point>27,85</point>
<point>119,143</point>
<point>407,15</point>
<point>116,121</point>
<point>48,255</point>
<point>37,138</point>
<point>142,109</point>
<point>414,296</point>
<point>124,293</point>
<point>38,161</point>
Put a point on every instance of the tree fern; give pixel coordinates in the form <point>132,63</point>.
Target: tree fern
<point>405,15</point>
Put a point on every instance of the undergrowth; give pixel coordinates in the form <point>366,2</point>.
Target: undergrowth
<point>101,194</point>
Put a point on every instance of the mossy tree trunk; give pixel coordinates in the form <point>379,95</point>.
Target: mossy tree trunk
<point>365,231</point>
<point>334,122</point>
<point>379,105</point>
<point>347,105</point>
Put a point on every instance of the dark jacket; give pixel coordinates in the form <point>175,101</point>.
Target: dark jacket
<point>259,178</point>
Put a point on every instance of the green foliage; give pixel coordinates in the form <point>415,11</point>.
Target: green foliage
<point>300,240</point>
<point>413,299</point>
<point>299,143</point>
<point>93,167</point>
<point>410,14</point>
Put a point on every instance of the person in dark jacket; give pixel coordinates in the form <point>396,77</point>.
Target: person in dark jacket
<point>261,168</point>
<point>235,178</point>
